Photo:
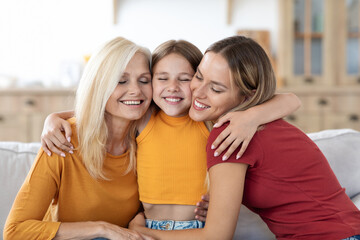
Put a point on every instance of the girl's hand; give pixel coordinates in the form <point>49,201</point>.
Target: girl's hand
<point>115,232</point>
<point>240,130</point>
<point>52,136</point>
<point>202,208</point>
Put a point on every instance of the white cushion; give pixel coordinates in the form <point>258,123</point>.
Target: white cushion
<point>15,162</point>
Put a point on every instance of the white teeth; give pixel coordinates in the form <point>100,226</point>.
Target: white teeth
<point>200,105</point>
<point>131,102</point>
<point>173,99</point>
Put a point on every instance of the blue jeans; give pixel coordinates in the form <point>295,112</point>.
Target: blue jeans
<point>353,238</point>
<point>173,225</point>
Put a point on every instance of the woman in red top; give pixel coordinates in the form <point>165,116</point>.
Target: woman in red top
<point>282,176</point>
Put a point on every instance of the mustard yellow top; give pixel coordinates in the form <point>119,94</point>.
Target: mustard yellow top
<point>73,195</point>
<point>171,160</point>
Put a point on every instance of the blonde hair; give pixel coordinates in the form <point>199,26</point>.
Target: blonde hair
<point>98,82</point>
<point>250,68</point>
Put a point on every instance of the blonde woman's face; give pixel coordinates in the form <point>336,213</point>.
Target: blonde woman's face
<point>171,84</point>
<point>133,93</point>
<point>212,93</point>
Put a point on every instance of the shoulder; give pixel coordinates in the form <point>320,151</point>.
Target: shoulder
<point>252,156</point>
<point>145,125</point>
<point>47,165</point>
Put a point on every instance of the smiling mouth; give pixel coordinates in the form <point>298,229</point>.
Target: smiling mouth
<point>200,105</point>
<point>133,102</point>
<point>173,99</point>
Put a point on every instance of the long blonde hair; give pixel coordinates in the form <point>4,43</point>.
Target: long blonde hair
<point>98,82</point>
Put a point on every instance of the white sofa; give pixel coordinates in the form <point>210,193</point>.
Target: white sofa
<point>341,147</point>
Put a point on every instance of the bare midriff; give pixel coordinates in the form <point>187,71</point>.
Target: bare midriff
<point>169,212</point>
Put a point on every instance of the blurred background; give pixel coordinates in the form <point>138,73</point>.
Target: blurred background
<point>44,46</point>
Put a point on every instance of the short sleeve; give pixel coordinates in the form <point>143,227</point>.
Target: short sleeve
<point>252,156</point>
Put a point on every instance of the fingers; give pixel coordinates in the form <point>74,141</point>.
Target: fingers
<point>244,146</point>
<point>202,205</point>
<point>45,148</point>
<point>224,145</point>
<point>205,197</point>
<point>201,215</point>
<point>235,144</point>
<point>224,134</point>
<point>148,237</point>
<point>67,128</point>
<point>222,120</point>
<point>52,148</point>
<point>201,209</point>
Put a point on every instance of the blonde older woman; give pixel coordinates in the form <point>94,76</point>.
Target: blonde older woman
<point>93,192</point>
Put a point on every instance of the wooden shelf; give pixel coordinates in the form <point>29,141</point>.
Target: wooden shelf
<point>308,35</point>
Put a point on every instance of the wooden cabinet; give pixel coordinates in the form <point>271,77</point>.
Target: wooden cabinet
<point>319,60</point>
<point>23,111</point>
<point>324,108</point>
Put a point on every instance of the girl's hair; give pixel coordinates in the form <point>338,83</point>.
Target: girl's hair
<point>184,48</point>
<point>98,82</point>
<point>250,69</point>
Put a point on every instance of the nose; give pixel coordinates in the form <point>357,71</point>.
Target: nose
<point>134,89</point>
<point>173,86</point>
<point>199,90</point>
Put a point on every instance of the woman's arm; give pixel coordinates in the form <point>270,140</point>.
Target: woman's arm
<point>52,136</point>
<point>90,230</point>
<point>25,220</point>
<point>244,124</point>
<point>226,192</point>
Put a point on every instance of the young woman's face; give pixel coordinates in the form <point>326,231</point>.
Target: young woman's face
<point>171,85</point>
<point>212,94</point>
<point>132,95</point>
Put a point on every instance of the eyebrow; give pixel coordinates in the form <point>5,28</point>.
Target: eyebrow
<point>142,74</point>
<point>182,73</point>
<point>214,82</point>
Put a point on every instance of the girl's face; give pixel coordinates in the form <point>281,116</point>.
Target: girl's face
<point>171,85</point>
<point>132,95</point>
<point>212,94</point>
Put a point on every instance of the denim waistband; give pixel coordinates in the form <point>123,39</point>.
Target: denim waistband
<point>173,225</point>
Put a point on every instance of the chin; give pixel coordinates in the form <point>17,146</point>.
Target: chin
<point>197,117</point>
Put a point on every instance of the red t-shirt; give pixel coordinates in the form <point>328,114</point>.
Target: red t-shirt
<point>290,184</point>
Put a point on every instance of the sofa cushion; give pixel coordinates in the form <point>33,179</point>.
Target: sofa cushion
<point>15,162</point>
<point>342,150</point>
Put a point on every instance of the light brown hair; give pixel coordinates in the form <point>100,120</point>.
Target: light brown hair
<point>250,68</point>
<point>184,48</point>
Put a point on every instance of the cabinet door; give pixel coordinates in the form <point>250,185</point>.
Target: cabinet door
<point>342,120</point>
<point>13,127</point>
<point>305,53</point>
<point>348,27</point>
<point>307,122</point>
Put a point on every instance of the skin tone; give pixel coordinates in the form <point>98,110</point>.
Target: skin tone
<point>129,101</point>
<point>171,83</point>
<point>212,96</point>
<point>171,92</point>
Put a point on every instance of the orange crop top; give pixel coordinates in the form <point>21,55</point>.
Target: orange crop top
<point>171,160</point>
